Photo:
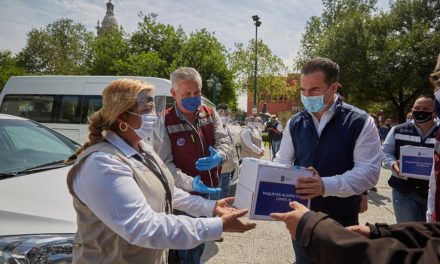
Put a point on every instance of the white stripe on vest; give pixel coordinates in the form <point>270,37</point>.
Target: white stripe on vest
<point>407,137</point>
<point>178,128</point>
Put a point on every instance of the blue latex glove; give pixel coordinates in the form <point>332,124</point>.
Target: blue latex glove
<point>204,164</point>
<point>200,187</point>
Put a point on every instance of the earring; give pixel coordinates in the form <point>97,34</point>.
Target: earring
<point>123,129</point>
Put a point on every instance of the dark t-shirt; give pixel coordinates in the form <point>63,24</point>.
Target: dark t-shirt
<point>383,132</point>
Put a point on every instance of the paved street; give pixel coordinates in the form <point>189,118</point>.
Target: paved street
<point>270,242</point>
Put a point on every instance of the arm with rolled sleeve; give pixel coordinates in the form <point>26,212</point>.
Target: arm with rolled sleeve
<point>367,161</point>
<point>162,146</point>
<point>223,144</point>
<point>107,187</point>
<point>388,149</point>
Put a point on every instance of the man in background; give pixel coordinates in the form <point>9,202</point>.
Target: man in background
<point>275,130</point>
<point>383,130</point>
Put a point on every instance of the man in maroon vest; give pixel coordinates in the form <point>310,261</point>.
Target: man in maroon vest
<point>194,144</point>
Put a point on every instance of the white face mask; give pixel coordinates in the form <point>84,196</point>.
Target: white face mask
<point>148,123</point>
<point>225,119</point>
<point>251,124</point>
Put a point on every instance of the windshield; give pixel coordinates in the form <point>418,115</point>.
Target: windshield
<point>25,145</point>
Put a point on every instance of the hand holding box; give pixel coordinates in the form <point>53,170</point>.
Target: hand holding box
<point>265,187</point>
<point>416,162</point>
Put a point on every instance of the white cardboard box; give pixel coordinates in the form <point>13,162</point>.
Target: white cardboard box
<point>416,162</point>
<point>265,187</point>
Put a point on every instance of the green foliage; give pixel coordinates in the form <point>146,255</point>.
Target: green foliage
<point>270,73</point>
<point>8,67</point>
<point>154,49</point>
<point>384,57</point>
<point>63,47</point>
<point>144,64</point>
<point>107,49</point>
<point>165,40</point>
<point>204,52</point>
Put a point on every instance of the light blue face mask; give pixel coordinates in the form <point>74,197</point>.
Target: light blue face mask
<point>313,104</point>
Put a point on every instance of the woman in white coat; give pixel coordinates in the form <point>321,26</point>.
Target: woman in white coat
<point>124,195</point>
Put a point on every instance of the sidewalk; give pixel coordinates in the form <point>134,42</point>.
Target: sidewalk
<point>270,241</point>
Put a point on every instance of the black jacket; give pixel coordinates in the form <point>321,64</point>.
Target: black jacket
<point>326,241</point>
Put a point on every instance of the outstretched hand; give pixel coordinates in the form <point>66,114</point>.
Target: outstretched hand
<point>232,223</point>
<point>214,160</point>
<point>222,206</point>
<point>291,219</point>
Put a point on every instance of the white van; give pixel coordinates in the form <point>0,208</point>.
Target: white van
<point>64,103</point>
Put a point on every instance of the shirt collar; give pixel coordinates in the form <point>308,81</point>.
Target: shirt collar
<point>434,125</point>
<point>120,144</point>
<point>180,115</point>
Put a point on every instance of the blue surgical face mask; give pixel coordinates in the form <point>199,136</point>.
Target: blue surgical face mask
<point>192,103</point>
<point>314,104</point>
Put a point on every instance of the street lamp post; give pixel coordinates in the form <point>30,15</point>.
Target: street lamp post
<point>257,24</point>
<point>214,86</point>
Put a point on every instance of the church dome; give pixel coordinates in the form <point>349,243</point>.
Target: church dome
<point>109,21</point>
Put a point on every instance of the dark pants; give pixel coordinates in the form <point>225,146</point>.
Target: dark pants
<point>223,183</point>
<point>409,207</point>
<point>275,144</point>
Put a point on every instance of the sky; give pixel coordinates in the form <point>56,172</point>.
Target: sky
<point>283,21</point>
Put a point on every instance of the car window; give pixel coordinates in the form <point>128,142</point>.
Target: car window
<point>91,104</point>
<point>69,109</point>
<point>25,144</point>
<point>35,107</point>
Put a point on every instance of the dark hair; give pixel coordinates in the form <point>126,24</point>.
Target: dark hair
<point>327,66</point>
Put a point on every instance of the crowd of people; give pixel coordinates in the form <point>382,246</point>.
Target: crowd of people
<point>137,203</point>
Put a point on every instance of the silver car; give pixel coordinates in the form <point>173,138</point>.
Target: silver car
<point>37,219</point>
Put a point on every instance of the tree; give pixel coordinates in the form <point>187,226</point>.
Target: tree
<point>405,52</point>
<point>108,48</point>
<point>384,57</point>
<point>63,47</point>
<point>143,64</point>
<point>8,67</point>
<point>205,53</point>
<point>162,39</point>
<point>271,72</point>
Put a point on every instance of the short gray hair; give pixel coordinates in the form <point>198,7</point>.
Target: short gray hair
<point>185,73</point>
